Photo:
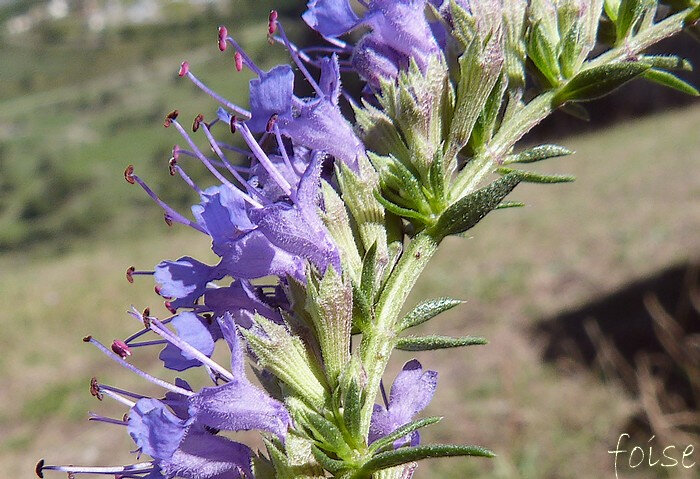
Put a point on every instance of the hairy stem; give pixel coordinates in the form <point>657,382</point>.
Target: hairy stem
<point>378,343</point>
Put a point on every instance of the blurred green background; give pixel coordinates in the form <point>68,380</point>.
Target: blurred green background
<point>84,87</point>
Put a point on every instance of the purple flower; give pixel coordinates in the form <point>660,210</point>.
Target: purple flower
<point>183,448</point>
<point>399,32</point>
<point>315,123</point>
<point>411,392</point>
<point>192,330</point>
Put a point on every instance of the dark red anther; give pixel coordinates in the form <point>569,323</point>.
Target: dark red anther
<point>71,475</point>
<point>170,117</point>
<point>176,152</point>
<point>271,123</point>
<point>157,288</point>
<point>272,22</point>
<point>146,318</point>
<point>95,388</point>
<point>223,33</point>
<point>169,306</point>
<point>184,68</point>
<point>129,174</point>
<point>233,123</point>
<point>168,219</point>
<point>130,274</point>
<point>238,59</point>
<point>121,348</point>
<point>125,417</point>
<point>87,339</point>
<point>40,469</point>
<point>171,166</point>
<point>197,121</point>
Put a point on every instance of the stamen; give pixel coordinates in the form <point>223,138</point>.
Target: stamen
<point>121,348</point>
<point>184,68</point>
<point>272,22</point>
<point>238,61</point>
<point>140,468</point>
<point>170,213</point>
<point>170,117</point>
<point>263,158</point>
<point>223,33</point>
<point>134,369</point>
<point>118,397</point>
<point>158,328</point>
<point>283,151</point>
<point>95,389</point>
<point>155,342</point>
<point>241,180</point>
<point>197,121</point>
<point>129,174</point>
<point>140,333</point>
<point>299,63</point>
<point>216,96</point>
<point>108,420</point>
<point>105,387</point>
<point>131,272</point>
<point>245,59</point>
<point>201,157</point>
<point>169,306</point>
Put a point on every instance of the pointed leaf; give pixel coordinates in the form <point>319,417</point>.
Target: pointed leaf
<point>334,466</point>
<point>538,153</point>
<point>667,62</point>
<point>427,310</point>
<point>401,211</point>
<point>597,82</point>
<point>352,407</point>
<point>369,265</point>
<point>405,455</point>
<point>531,177</point>
<point>510,204</point>
<point>469,210</point>
<point>671,81</point>
<point>429,343</point>
<point>406,429</point>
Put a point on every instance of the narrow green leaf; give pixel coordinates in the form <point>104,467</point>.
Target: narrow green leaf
<point>510,204</point>
<point>542,52</point>
<point>530,177</point>
<point>361,309</point>
<point>406,429</point>
<point>670,80</point>
<point>599,81</point>
<point>368,279</point>
<point>429,343</point>
<point>401,211</point>
<point>667,62</point>
<point>405,455</point>
<point>352,407</point>
<point>327,432</point>
<point>466,212</point>
<point>629,12</point>
<point>427,310</point>
<point>576,110</point>
<point>334,466</point>
<point>538,153</point>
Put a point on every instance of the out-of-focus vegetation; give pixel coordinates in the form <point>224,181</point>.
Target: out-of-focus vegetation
<point>77,106</point>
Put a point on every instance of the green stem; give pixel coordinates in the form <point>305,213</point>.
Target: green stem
<point>510,133</point>
<point>378,343</point>
<point>643,40</point>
